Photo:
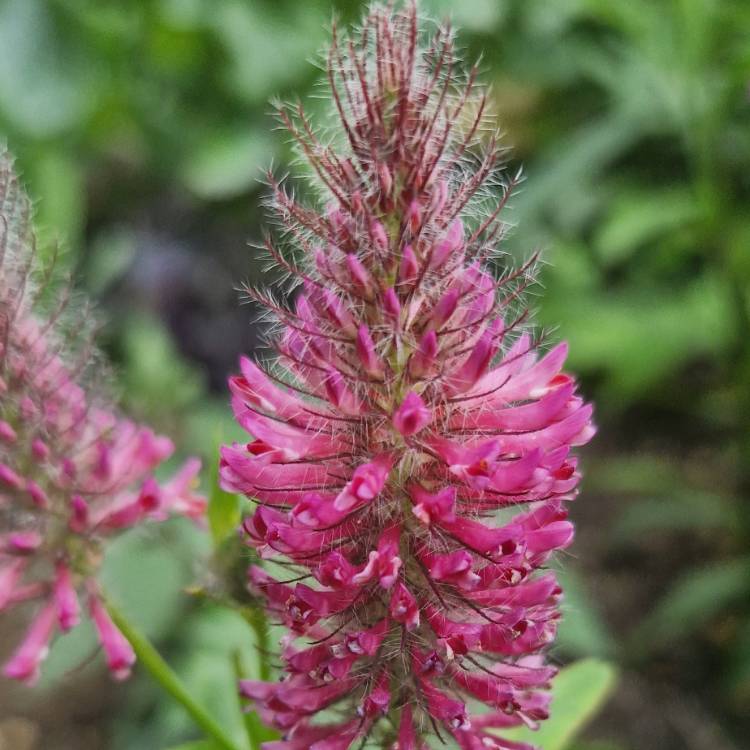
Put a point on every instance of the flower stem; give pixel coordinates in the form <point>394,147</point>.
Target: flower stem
<point>150,658</point>
<point>256,618</point>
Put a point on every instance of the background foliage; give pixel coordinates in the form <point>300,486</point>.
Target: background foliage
<point>142,128</point>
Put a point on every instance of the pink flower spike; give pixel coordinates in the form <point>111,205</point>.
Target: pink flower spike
<point>445,709</point>
<point>455,234</point>
<point>439,197</point>
<point>336,571</point>
<point>417,470</point>
<point>386,179</point>
<point>477,362</point>
<point>446,247</point>
<point>120,654</point>
<point>454,567</point>
<point>66,599</point>
<point>74,471</point>
<point>338,314</point>
<point>338,391</point>
<point>322,264</point>
<point>179,495</point>
<point>134,510</point>
<point>363,642</point>
<point>412,416</point>
<point>150,497</point>
<point>25,663</point>
<point>28,408</point>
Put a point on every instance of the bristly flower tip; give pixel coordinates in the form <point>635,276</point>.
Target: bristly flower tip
<point>73,473</point>
<point>411,455</point>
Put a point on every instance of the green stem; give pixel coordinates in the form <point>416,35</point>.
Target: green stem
<point>257,732</point>
<point>150,658</point>
<point>256,618</point>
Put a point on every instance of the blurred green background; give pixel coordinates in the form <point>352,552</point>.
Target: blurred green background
<point>141,130</point>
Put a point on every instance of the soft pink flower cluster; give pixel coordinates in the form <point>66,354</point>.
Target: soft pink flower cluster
<point>411,454</point>
<point>72,472</point>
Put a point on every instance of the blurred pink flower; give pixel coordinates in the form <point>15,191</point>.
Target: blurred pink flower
<point>72,471</point>
<point>411,459</point>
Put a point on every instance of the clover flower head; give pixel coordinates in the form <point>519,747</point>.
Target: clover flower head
<point>411,457</point>
<point>73,472</point>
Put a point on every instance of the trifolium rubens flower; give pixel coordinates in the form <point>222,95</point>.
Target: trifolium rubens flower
<point>411,457</point>
<point>73,472</point>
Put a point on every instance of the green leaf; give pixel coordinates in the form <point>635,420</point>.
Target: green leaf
<point>266,44</point>
<point>143,572</point>
<point>570,168</point>
<point>227,163</point>
<point>700,512</point>
<point>641,335</point>
<point>480,16</point>
<point>582,631</point>
<point>580,691</point>
<point>223,507</point>
<point>197,745</point>
<point>71,653</point>
<point>635,473</point>
<point>598,745</point>
<point>56,179</point>
<point>45,81</point>
<point>110,255</point>
<point>640,218</point>
<point>154,387</point>
<point>691,603</point>
<point>737,677</point>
